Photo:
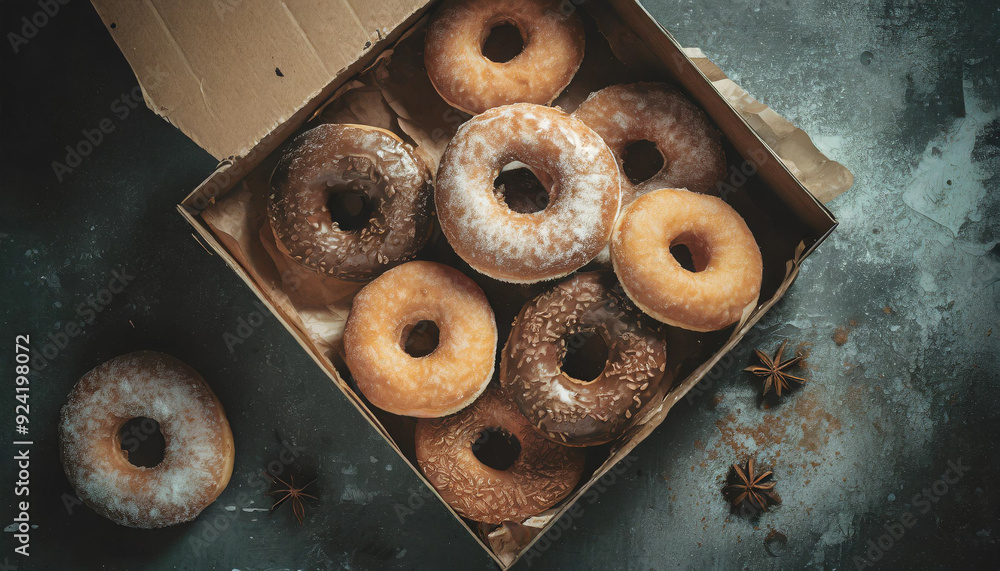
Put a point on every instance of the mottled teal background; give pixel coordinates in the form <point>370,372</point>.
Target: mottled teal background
<point>898,312</point>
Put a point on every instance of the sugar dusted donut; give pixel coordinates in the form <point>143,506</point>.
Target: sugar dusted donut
<point>198,458</point>
<point>543,473</point>
<point>467,79</point>
<point>382,316</point>
<point>568,410</point>
<point>656,112</point>
<point>727,262</point>
<point>584,193</point>
<point>354,159</point>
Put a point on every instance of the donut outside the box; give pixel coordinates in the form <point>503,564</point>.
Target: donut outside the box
<point>198,457</point>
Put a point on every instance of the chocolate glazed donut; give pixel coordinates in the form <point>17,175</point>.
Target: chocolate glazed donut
<point>541,476</point>
<point>355,159</point>
<point>567,410</point>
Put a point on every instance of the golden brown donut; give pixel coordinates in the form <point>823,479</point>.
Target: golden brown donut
<point>728,265</point>
<point>543,474</point>
<point>568,410</point>
<point>584,193</point>
<point>467,79</point>
<point>382,315</point>
<point>198,458</point>
<point>357,159</point>
<point>659,113</point>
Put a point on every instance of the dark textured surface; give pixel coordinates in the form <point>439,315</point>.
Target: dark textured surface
<point>897,311</point>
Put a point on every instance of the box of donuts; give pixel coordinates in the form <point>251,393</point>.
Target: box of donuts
<point>513,233</point>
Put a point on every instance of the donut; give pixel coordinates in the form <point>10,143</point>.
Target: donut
<point>518,247</point>
<point>727,262</point>
<point>543,473</point>
<point>198,458</point>
<point>568,410</point>
<point>382,316</point>
<point>468,80</point>
<point>656,112</point>
<point>358,160</point>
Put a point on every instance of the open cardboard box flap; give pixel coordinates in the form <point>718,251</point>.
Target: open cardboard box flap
<point>228,72</point>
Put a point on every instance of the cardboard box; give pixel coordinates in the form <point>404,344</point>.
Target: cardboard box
<point>241,78</point>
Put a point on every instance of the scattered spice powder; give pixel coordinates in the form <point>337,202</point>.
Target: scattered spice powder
<point>840,335</point>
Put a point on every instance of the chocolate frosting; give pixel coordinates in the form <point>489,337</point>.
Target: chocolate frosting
<point>350,158</point>
<point>567,410</point>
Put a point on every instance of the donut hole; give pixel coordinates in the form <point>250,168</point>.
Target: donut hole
<point>586,355</point>
<point>420,339</point>
<point>520,189</point>
<point>141,442</point>
<point>642,160</point>
<point>496,448</point>
<point>690,253</point>
<point>503,42</point>
<point>350,209</point>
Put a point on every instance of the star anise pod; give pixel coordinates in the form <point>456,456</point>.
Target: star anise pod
<point>750,487</point>
<point>290,491</point>
<point>774,370</point>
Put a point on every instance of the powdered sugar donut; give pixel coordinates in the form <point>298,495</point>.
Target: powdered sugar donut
<point>553,44</point>
<point>727,262</point>
<point>584,193</point>
<point>656,112</point>
<point>353,160</point>
<point>382,316</point>
<point>198,458</point>
<point>542,474</point>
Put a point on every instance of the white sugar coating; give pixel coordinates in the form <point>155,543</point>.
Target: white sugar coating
<point>552,52</point>
<point>658,112</point>
<point>197,460</point>
<point>584,198</point>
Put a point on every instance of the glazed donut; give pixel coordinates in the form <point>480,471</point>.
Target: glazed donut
<point>470,81</point>
<point>727,262</point>
<point>198,458</point>
<point>568,410</point>
<point>358,159</point>
<point>383,314</point>
<point>543,473</point>
<point>656,112</point>
<point>584,193</point>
